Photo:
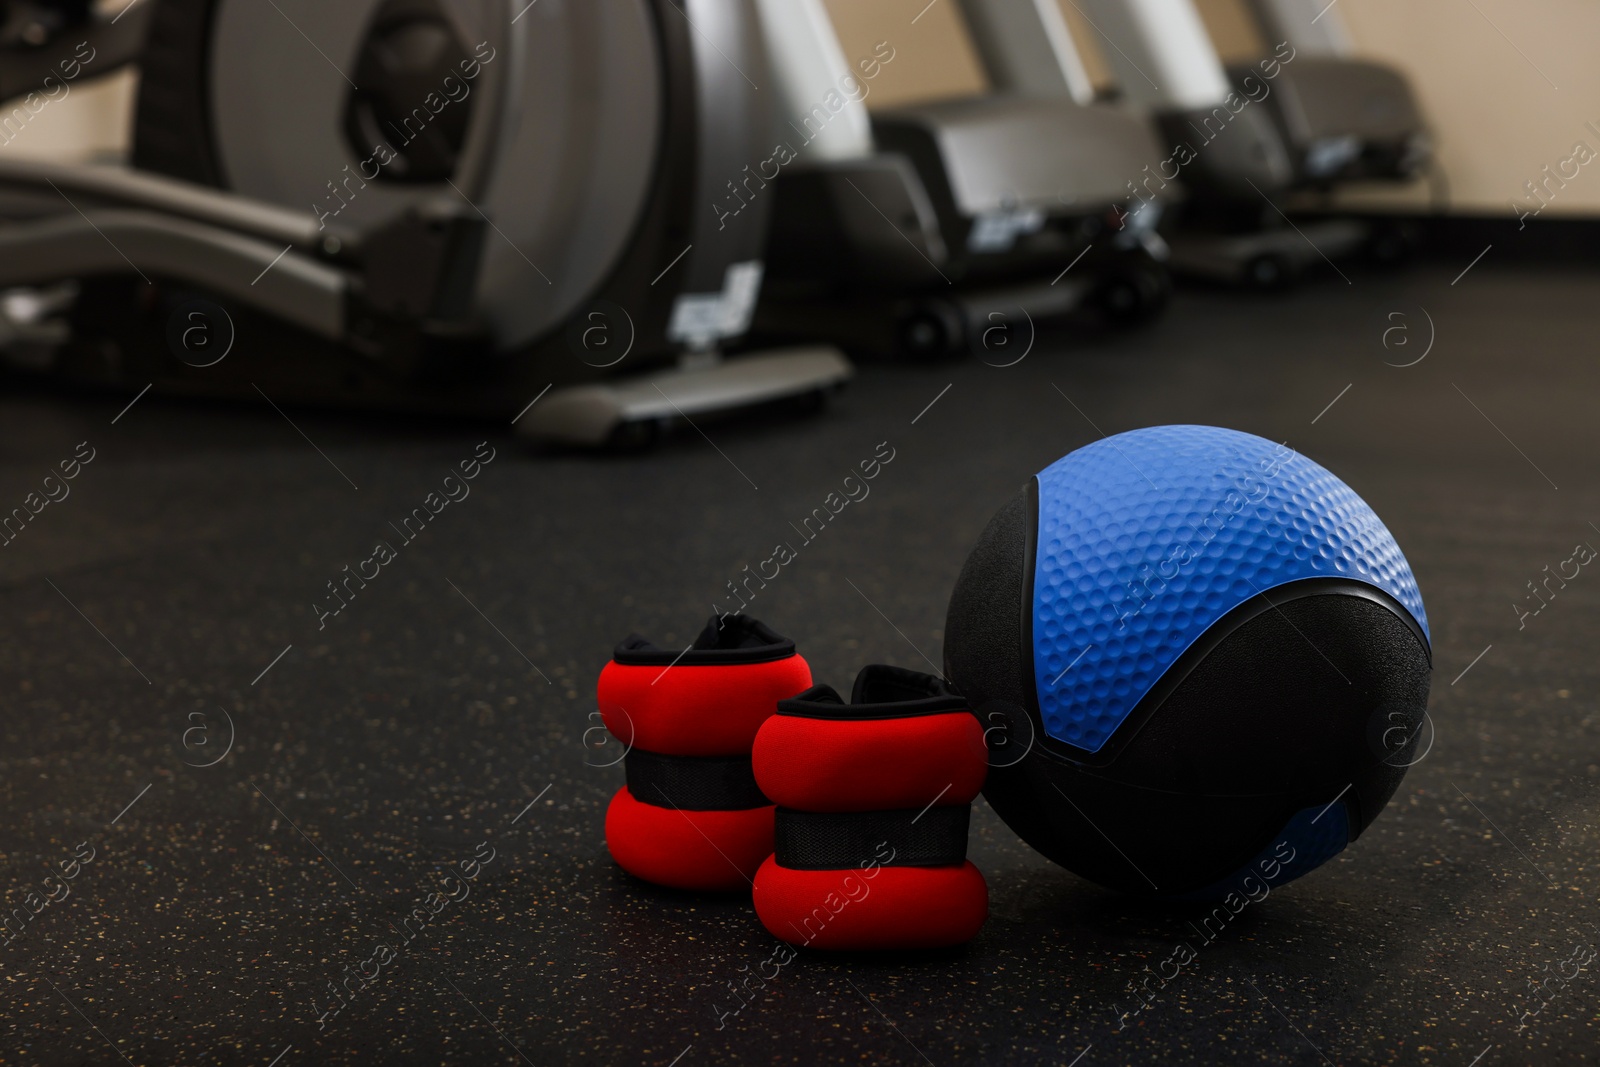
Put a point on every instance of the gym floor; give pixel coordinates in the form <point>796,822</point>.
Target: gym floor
<point>165,609</point>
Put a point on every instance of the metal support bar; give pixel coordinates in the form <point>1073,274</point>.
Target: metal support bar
<point>124,188</point>
<point>276,280</point>
<point>589,414</point>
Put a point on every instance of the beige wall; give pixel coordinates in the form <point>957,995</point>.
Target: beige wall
<point>933,58</point>
<point>1232,29</point>
<point>1496,119</point>
<point>92,120</point>
<point>1091,46</point>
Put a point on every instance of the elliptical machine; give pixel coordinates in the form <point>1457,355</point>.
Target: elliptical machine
<point>1244,140</point>
<point>916,229</point>
<point>449,205</point>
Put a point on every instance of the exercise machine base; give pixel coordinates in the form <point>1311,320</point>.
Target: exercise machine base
<point>634,410</point>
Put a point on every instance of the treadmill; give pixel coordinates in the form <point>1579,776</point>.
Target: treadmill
<point>1341,118</point>
<point>912,231</point>
<point>458,206</point>
<point>1244,140</point>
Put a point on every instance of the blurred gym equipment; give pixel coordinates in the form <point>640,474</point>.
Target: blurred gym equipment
<point>952,215</point>
<point>440,204</point>
<point>1341,118</point>
<point>1241,139</point>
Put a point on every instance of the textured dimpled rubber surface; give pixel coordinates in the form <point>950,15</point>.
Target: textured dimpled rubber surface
<point>1147,538</point>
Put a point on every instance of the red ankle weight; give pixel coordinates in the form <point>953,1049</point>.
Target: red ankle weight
<point>873,802</point>
<point>691,815</point>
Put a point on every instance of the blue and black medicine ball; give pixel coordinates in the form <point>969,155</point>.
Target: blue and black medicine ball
<point>1200,658</point>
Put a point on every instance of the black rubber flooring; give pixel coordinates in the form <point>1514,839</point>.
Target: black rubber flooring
<point>168,605</point>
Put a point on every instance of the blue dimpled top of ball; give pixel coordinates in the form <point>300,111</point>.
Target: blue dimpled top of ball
<point>1147,538</point>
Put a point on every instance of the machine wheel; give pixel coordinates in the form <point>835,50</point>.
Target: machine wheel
<point>1391,245</point>
<point>632,438</point>
<point>1270,273</point>
<point>1135,297</point>
<point>931,330</point>
<point>811,402</point>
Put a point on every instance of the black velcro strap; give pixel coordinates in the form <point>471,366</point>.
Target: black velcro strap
<point>815,841</point>
<point>693,783</point>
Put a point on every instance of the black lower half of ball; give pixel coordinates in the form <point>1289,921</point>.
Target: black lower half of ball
<point>1305,704</point>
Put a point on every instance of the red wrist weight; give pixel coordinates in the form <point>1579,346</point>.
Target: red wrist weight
<point>847,764</point>
<point>691,816</point>
<point>873,801</point>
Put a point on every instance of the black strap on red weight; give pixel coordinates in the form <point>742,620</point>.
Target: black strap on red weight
<point>693,783</point>
<point>817,841</point>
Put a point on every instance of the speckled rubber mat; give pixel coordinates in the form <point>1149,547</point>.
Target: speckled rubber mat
<point>257,814</point>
